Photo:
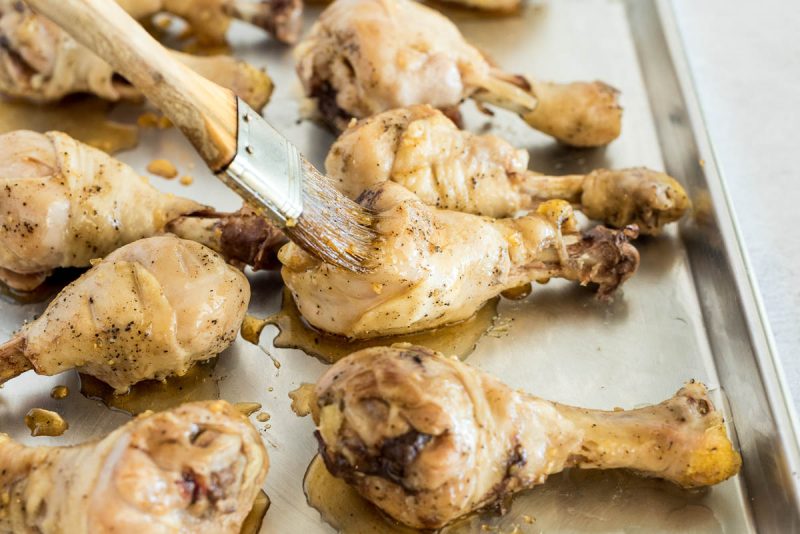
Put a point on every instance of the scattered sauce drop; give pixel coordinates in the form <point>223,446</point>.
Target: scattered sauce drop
<point>247,408</point>
<point>186,180</point>
<point>45,423</point>
<point>59,392</point>
<point>252,523</point>
<point>148,119</point>
<point>342,507</point>
<point>454,340</point>
<point>263,417</point>
<point>519,292</point>
<point>163,168</point>
<point>198,48</point>
<point>83,117</point>
<point>197,384</point>
<point>252,328</point>
<point>302,399</point>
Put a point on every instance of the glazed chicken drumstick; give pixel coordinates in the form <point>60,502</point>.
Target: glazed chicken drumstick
<point>195,468</point>
<point>148,310</point>
<point>64,203</point>
<point>42,63</point>
<point>209,20</point>
<point>421,149</point>
<point>428,439</point>
<point>363,57</point>
<point>438,267</point>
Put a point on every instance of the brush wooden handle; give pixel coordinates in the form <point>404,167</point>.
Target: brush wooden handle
<point>204,111</point>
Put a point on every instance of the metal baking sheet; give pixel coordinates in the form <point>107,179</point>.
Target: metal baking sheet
<point>690,312</point>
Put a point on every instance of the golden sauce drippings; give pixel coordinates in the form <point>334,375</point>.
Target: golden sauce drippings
<point>252,523</point>
<point>263,417</point>
<point>84,118</point>
<point>294,333</point>
<point>59,392</point>
<point>196,385</point>
<point>575,500</point>
<point>45,423</point>
<point>342,507</point>
<point>302,399</point>
<point>247,408</point>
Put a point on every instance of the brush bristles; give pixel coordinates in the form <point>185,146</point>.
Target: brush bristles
<point>332,227</point>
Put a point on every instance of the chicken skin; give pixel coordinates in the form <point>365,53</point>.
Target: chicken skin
<point>64,203</point>
<point>421,149</point>
<point>363,57</point>
<point>437,267</point>
<point>42,63</point>
<point>148,310</point>
<point>428,439</point>
<point>209,20</point>
<point>196,468</point>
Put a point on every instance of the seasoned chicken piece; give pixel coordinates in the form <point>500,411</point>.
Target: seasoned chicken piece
<point>42,63</point>
<point>196,468</point>
<point>437,267</point>
<point>428,439</point>
<point>148,310</point>
<point>421,149</point>
<point>363,57</point>
<point>209,20</point>
<point>64,203</point>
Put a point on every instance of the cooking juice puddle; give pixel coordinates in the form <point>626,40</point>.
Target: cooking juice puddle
<point>83,117</point>
<point>572,501</point>
<point>293,332</point>
<point>197,384</point>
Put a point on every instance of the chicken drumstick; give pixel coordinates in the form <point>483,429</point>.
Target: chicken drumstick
<point>210,19</point>
<point>428,439</point>
<point>421,149</point>
<point>195,468</point>
<point>148,310</point>
<point>42,63</point>
<point>363,57</point>
<point>438,267</point>
<point>64,203</point>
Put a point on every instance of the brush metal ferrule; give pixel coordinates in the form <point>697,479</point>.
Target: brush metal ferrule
<point>267,170</point>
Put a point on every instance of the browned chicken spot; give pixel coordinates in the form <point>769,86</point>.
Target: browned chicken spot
<point>429,439</point>
<point>195,468</point>
<point>42,63</point>
<point>421,149</point>
<point>437,267</point>
<point>63,203</point>
<point>209,20</point>
<point>363,57</point>
<point>148,310</point>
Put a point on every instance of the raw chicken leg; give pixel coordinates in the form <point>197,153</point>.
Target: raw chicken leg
<point>148,310</point>
<point>363,57</point>
<point>64,203</point>
<point>195,468</point>
<point>437,267</point>
<point>421,149</point>
<point>41,63</point>
<point>428,439</point>
<point>210,19</point>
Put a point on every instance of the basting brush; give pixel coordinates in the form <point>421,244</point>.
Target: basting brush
<point>237,144</point>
